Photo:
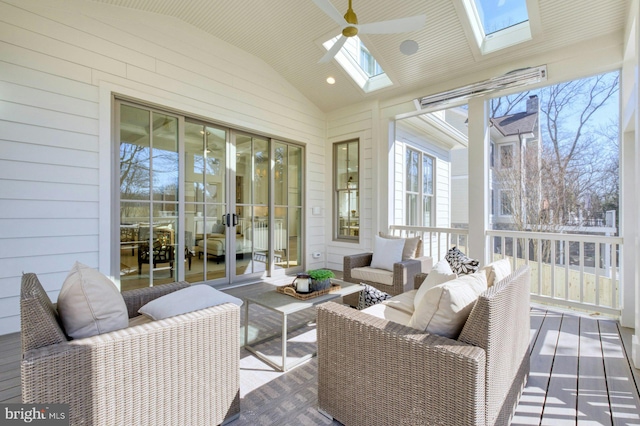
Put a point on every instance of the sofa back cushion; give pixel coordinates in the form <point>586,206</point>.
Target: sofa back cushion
<point>39,321</point>
<point>497,271</point>
<point>439,274</point>
<point>444,308</point>
<point>499,323</point>
<point>90,304</point>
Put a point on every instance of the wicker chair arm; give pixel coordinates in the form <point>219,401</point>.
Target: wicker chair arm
<point>355,261</point>
<point>135,299</point>
<point>364,359</point>
<point>195,354</point>
<point>418,279</point>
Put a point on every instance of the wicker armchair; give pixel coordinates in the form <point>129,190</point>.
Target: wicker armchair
<point>372,371</point>
<point>177,371</point>
<point>403,274</point>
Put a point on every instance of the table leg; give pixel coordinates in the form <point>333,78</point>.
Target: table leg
<point>284,342</point>
<point>246,322</point>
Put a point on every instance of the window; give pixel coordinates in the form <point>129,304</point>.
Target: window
<point>360,64</point>
<point>346,183</point>
<point>506,202</point>
<point>419,184</point>
<point>494,25</point>
<point>506,156</point>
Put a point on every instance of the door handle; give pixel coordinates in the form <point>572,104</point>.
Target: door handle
<point>235,219</point>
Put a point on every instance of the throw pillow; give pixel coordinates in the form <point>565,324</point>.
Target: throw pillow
<point>412,246</point>
<point>370,296</point>
<point>460,263</point>
<point>445,308</point>
<point>188,299</point>
<point>90,304</point>
<point>217,228</point>
<point>386,252</point>
<point>497,271</point>
<point>439,274</point>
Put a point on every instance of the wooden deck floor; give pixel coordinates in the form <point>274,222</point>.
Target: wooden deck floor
<point>580,374</point>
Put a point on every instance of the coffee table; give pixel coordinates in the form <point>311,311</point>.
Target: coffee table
<point>286,305</point>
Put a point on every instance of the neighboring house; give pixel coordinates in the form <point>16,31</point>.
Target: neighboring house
<point>515,152</point>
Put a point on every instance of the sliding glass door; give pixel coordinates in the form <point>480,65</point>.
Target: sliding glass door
<point>203,203</point>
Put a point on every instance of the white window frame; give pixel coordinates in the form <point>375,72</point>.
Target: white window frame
<point>420,193</point>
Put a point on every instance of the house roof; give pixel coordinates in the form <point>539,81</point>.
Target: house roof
<point>288,36</point>
<point>513,124</point>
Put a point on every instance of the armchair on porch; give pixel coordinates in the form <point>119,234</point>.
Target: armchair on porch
<point>394,278</point>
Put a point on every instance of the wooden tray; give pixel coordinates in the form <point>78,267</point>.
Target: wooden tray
<point>290,290</point>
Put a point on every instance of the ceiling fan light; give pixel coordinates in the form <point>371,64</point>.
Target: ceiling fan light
<point>350,31</point>
<point>409,47</point>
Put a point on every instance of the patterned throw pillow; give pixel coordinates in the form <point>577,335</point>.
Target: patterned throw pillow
<point>460,263</point>
<point>370,296</point>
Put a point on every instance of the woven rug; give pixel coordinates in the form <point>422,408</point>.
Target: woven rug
<point>269,397</point>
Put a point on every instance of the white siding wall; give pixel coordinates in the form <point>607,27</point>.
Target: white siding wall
<point>460,186</point>
<point>56,58</point>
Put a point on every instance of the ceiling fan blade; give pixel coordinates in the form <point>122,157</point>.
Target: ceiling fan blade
<point>401,25</point>
<point>334,49</point>
<point>331,11</point>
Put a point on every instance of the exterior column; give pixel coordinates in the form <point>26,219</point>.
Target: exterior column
<point>478,179</point>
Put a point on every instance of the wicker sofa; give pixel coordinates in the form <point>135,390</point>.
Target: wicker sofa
<point>176,371</point>
<point>372,371</point>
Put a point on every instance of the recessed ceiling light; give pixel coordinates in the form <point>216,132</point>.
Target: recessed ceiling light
<point>409,47</point>
<point>331,80</point>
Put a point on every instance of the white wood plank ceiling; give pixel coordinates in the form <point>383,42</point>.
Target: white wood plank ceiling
<point>287,36</point>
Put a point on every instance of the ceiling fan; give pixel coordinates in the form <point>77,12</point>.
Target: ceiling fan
<point>350,26</point>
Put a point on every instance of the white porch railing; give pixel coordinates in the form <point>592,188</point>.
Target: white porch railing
<point>573,270</point>
<point>437,241</point>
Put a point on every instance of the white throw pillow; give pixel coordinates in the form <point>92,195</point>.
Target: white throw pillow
<point>412,246</point>
<point>446,307</point>
<point>439,274</point>
<point>497,271</point>
<point>386,252</point>
<point>90,304</point>
<point>188,299</point>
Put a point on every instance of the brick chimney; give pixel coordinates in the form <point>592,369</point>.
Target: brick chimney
<point>532,104</point>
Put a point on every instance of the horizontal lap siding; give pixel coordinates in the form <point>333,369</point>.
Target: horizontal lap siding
<point>53,56</point>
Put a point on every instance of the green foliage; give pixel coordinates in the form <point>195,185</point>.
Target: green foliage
<point>320,274</point>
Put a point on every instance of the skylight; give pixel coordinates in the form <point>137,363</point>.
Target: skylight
<point>498,24</point>
<point>360,64</point>
<point>498,15</point>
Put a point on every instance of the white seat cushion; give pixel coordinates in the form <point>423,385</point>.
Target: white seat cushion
<point>387,312</point>
<point>89,303</point>
<point>402,302</point>
<point>445,308</point>
<point>367,273</point>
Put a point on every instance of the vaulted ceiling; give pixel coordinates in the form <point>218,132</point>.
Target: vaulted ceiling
<point>287,35</point>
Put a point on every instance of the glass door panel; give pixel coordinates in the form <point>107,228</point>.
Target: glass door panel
<point>252,204</point>
<point>287,196</point>
<point>148,153</point>
<point>205,202</point>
